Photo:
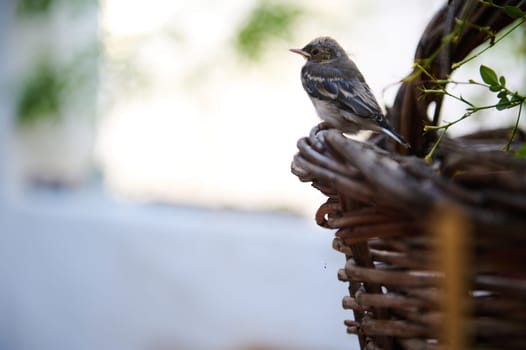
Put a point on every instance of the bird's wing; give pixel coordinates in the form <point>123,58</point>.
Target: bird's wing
<point>352,95</point>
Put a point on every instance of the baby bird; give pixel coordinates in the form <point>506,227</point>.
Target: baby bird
<point>339,92</point>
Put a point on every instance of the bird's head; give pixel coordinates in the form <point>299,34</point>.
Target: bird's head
<point>321,50</point>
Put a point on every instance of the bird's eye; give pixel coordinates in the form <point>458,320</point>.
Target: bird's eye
<point>315,52</point>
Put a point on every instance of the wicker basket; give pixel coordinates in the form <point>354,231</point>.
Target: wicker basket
<point>428,247</point>
<point>434,251</point>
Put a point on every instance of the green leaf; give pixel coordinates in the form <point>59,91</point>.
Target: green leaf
<point>502,94</point>
<point>494,88</point>
<point>489,76</point>
<point>521,152</point>
<point>515,98</point>
<point>502,81</point>
<point>503,103</point>
<point>514,12</point>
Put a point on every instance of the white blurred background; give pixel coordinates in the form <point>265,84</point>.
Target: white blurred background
<point>214,126</point>
<point>146,196</point>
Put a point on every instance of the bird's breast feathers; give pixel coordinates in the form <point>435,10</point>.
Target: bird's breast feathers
<point>341,119</point>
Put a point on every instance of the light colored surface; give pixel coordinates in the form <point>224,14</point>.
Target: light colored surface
<point>81,272</point>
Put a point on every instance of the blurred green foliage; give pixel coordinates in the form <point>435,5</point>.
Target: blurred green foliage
<point>267,21</point>
<point>40,96</point>
<point>48,86</point>
<point>33,7</point>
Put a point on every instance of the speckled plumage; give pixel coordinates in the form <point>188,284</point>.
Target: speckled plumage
<point>339,92</point>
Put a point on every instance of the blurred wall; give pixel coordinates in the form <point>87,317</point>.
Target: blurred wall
<point>6,10</point>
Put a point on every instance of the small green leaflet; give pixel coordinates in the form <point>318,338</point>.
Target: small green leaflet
<point>514,12</point>
<point>489,76</point>
<point>521,152</point>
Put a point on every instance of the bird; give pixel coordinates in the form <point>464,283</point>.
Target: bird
<point>339,91</point>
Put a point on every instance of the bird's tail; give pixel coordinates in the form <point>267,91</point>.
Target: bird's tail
<point>396,136</point>
<point>386,128</point>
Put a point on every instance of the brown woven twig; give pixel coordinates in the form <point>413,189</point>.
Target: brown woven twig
<point>382,206</point>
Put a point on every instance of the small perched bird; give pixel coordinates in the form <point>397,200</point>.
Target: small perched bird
<point>339,92</point>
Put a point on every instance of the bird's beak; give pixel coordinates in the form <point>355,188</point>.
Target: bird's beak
<point>300,52</point>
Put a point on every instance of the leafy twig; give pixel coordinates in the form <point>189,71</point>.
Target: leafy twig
<point>470,58</point>
<point>497,85</point>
